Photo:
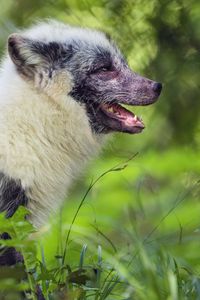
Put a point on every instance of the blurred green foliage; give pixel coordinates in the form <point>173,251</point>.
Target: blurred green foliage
<point>146,217</point>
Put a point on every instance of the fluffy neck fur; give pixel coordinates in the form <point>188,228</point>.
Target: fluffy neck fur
<point>45,138</point>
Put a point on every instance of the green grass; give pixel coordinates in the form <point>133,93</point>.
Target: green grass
<point>134,234</point>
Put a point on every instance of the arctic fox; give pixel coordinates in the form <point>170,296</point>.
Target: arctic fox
<point>61,90</point>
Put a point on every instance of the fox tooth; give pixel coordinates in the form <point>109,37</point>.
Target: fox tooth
<point>110,109</point>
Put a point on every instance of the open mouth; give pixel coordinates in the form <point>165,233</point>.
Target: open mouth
<point>118,118</point>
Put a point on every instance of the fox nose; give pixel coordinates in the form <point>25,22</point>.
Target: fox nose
<point>157,88</point>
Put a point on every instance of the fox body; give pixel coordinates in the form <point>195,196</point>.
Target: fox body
<point>60,93</point>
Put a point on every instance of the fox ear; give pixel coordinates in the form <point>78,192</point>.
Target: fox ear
<point>30,56</point>
<point>21,50</point>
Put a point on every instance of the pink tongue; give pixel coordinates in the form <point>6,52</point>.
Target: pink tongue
<point>133,121</point>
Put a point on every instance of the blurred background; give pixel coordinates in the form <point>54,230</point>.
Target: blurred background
<point>153,201</point>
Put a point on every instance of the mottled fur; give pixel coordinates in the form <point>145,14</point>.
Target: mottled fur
<point>11,195</point>
<point>45,136</point>
<point>44,144</point>
<point>52,82</point>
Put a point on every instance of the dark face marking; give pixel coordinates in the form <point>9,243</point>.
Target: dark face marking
<point>12,195</point>
<point>106,82</point>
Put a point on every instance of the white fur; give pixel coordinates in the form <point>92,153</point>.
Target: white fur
<point>59,32</point>
<point>45,136</point>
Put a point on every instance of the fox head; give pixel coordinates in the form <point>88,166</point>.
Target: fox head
<point>86,65</point>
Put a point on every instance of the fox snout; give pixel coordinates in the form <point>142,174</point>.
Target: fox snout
<point>133,89</point>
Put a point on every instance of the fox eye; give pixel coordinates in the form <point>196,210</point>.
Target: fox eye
<point>102,69</point>
<point>105,69</point>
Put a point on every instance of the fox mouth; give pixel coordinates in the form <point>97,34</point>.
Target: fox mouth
<point>117,118</point>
